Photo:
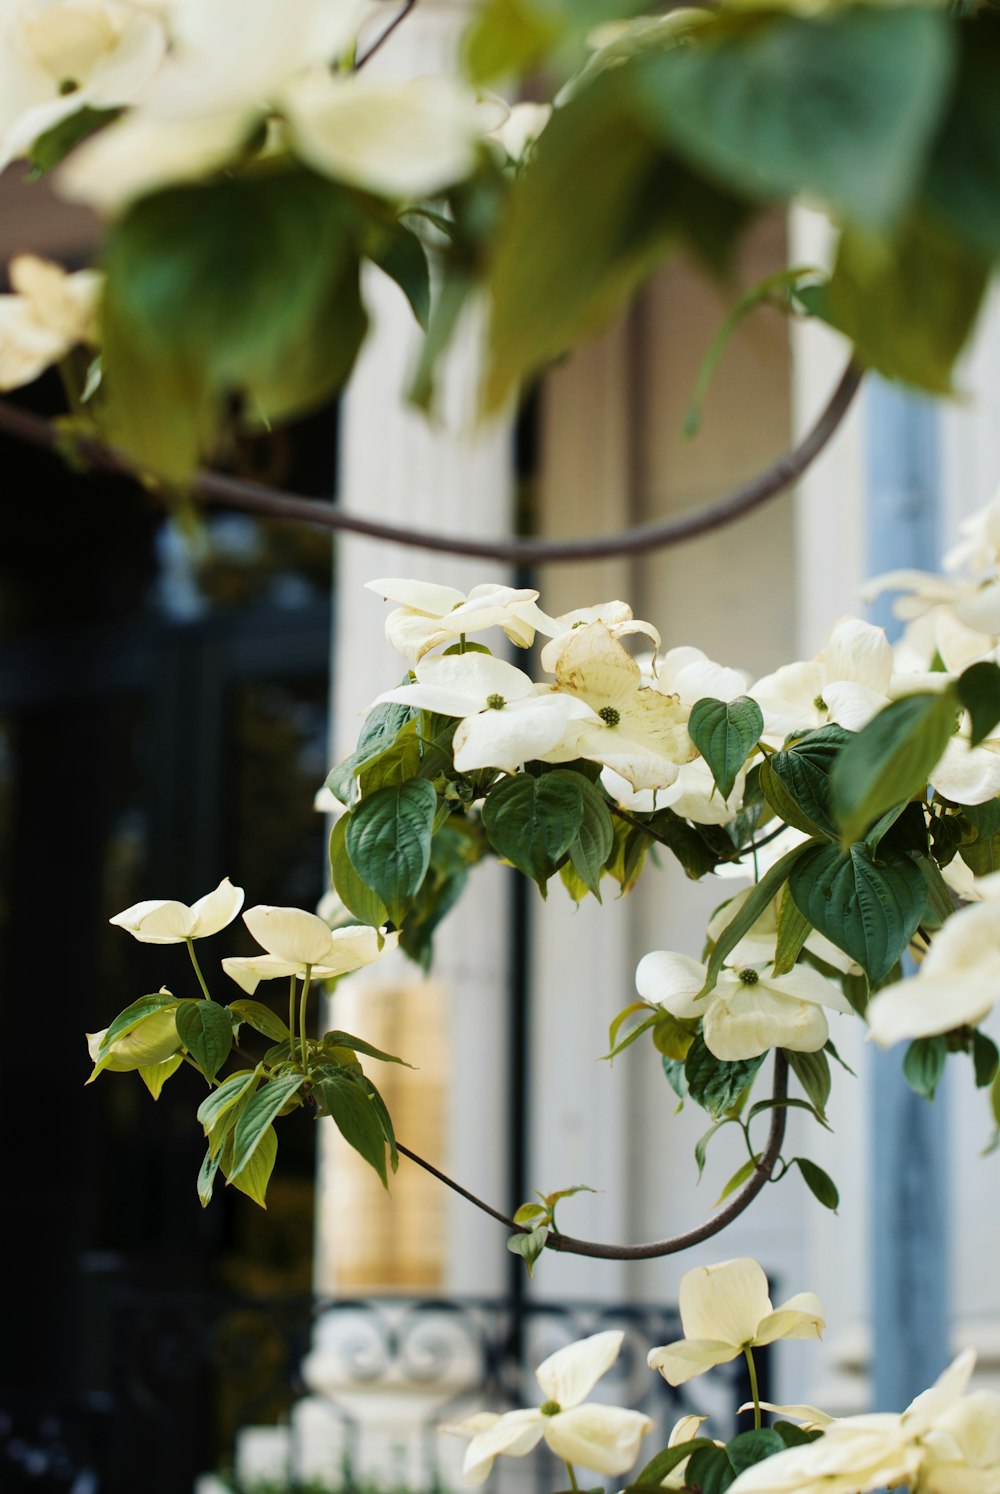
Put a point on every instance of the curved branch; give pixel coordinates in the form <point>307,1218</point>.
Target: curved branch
<point>384,35</point>
<point>740,1201</point>
<point>249,497</point>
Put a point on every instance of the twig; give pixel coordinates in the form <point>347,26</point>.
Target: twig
<point>569,1245</point>
<point>249,497</point>
<point>384,36</point>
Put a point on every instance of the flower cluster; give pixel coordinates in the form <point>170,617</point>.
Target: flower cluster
<point>946,1442</point>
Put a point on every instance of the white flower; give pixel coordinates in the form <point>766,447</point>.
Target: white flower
<point>975,605</point>
<point>796,696</point>
<point>758,943</point>
<point>605,1439</point>
<point>152,1041</point>
<point>48,313</point>
<point>860,1454</point>
<point>642,733</point>
<point>430,615</point>
<point>726,1309</point>
<point>59,56</point>
<point>300,943</point>
<point>749,1010</point>
<point>962,1451</point>
<point>519,131</point>
<point>693,676</point>
<point>398,140</point>
<point>616,617</point>
<point>957,984</point>
<point>979,547</point>
<point>160,921</point>
<point>507,719</point>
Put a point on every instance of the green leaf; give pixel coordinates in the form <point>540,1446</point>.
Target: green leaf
<point>725,733</point>
<point>358,1045</point>
<point>206,1030</point>
<point>674,1073</point>
<point>566,260</point>
<point>532,822</point>
<point>55,144</point>
<point>701,1145</point>
<point>740,1176</point>
<point>796,782</point>
<point>256,1117</point>
<point>129,1019</point>
<point>151,1039</point>
<point>751,910</point>
<point>840,106</point>
<point>398,251</point>
<point>508,37</point>
<point>357,1119</point>
<point>383,724</point>
<point>388,840</point>
<point>355,894</point>
<point>978,689</point>
<point>753,1447</point>
<point>792,1435</point>
<point>686,842</point>
<point>960,186</point>
<point>672,1037</point>
<point>215,1105</point>
<point>714,1084</point>
<point>397,764</point>
<point>261,1019</point>
<point>529,1244</point>
<point>908,307</point>
<point>923,1065</point>
<point>155,1075</point>
<point>255,1173</point>
<point>793,931</point>
<point>207,1174</point>
<point>710,1471</point>
<point>869,909</point>
<point>985,1059</point>
<point>666,1461</point>
<point>819,1183</point>
<point>813,1072</point>
<point>244,287</point>
<point>592,844</point>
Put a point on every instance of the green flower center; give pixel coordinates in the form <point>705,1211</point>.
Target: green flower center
<point>550,1408</point>
<point>749,977</point>
<point>495,702</point>
<point>820,704</point>
<point>609,715</point>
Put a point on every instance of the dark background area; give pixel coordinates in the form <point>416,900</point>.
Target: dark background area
<point>163,723</point>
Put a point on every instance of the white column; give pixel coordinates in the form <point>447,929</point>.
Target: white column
<point>446,475</point>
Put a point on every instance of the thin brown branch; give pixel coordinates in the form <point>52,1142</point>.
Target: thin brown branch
<point>249,497</point>
<point>384,35</point>
<point>569,1245</point>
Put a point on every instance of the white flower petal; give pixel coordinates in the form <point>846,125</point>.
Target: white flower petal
<point>524,731</point>
<point>800,1317</point>
<point>682,1361</point>
<point>926,1005</point>
<point>157,921</point>
<point>605,1439</point>
<point>570,1374</point>
<point>859,652</point>
<point>724,1302</point>
<point>514,1435</point>
<point>744,1021</point>
<point>672,981</point>
<point>216,909</point>
<point>424,597</point>
<point>290,933</point>
<point>249,970</point>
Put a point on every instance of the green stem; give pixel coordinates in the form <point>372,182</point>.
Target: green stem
<point>197,968</point>
<point>572,1476</point>
<point>302,1016</point>
<point>748,1353</point>
<point>291,1016</point>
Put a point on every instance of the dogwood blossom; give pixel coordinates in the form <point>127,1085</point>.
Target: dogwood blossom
<point>299,943</point>
<point>616,616</point>
<point>429,615</point>
<point>726,1309</point>
<point>47,314</point>
<point>750,1008</point>
<point>507,719</point>
<point>60,56</point>
<point>797,697</point>
<point>859,1454</point>
<point>603,1438</point>
<point>642,733</point>
<point>161,921</point>
<point>152,1041</point>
